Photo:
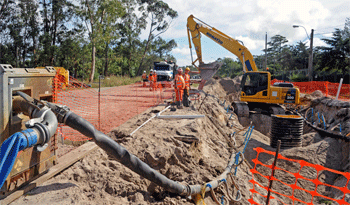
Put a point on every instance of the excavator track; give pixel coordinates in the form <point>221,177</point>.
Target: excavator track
<point>241,109</point>
<point>275,109</point>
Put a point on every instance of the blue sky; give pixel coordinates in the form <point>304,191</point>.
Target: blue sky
<point>249,20</point>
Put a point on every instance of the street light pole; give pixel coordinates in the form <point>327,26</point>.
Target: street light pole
<point>311,38</point>
<point>311,56</point>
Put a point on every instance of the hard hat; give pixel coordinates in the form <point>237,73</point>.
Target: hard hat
<point>187,69</point>
<point>179,69</point>
<point>144,71</point>
<point>151,70</point>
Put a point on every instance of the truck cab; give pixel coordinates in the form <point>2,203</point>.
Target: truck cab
<point>165,70</point>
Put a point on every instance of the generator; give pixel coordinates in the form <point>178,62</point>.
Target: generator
<point>38,84</point>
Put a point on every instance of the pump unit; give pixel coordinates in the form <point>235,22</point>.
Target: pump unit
<point>38,84</point>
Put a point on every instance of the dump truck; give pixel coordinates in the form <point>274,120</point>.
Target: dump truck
<point>165,71</point>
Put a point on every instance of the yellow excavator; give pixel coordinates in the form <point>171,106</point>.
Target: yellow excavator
<point>257,93</point>
<point>63,75</point>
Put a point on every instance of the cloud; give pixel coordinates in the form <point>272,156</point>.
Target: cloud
<point>249,20</point>
<point>183,61</point>
<point>182,51</point>
<point>250,43</point>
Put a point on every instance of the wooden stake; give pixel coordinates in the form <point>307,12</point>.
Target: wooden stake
<point>273,171</point>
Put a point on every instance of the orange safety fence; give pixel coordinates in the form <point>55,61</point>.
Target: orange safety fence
<point>107,109</point>
<point>327,88</point>
<point>302,183</point>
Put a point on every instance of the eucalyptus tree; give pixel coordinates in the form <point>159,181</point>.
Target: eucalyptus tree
<point>99,18</point>
<point>129,44</point>
<point>161,16</point>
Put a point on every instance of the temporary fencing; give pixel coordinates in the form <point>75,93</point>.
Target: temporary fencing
<point>105,108</point>
<point>327,88</point>
<point>302,183</point>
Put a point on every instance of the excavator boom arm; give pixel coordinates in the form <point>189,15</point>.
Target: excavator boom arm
<point>195,27</point>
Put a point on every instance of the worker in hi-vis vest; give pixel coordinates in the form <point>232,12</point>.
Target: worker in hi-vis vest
<point>154,80</point>
<point>144,78</point>
<point>187,77</point>
<point>150,79</point>
<point>179,84</point>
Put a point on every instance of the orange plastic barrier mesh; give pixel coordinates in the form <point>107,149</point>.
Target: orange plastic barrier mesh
<point>327,88</point>
<point>303,185</point>
<point>108,108</point>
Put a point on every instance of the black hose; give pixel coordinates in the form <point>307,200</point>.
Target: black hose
<point>326,133</point>
<point>123,155</point>
<point>323,132</point>
<point>135,164</point>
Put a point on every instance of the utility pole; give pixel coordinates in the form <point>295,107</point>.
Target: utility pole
<point>310,70</point>
<point>265,64</point>
<point>311,56</point>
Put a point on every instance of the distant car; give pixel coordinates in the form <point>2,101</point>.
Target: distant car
<point>196,77</point>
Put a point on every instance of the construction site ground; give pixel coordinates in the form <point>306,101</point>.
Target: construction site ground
<point>191,151</point>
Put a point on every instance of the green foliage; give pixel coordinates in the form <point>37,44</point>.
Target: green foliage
<point>230,68</point>
<point>299,77</point>
<point>113,80</point>
<point>161,16</point>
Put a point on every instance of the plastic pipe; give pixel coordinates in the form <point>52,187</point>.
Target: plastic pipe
<point>10,148</point>
<point>340,84</point>
<point>150,119</point>
<point>324,122</point>
<point>180,116</point>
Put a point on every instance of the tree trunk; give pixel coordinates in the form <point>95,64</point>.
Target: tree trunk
<point>143,57</point>
<point>92,63</point>
<point>34,52</point>
<point>106,59</point>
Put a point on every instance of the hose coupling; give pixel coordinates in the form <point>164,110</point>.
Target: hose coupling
<point>61,111</point>
<point>43,131</point>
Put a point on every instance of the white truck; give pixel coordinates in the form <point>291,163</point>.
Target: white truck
<point>165,70</point>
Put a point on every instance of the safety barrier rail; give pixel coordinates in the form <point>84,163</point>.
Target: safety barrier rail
<point>327,88</point>
<point>106,108</point>
<point>303,182</point>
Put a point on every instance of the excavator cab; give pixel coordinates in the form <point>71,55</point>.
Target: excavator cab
<point>254,82</point>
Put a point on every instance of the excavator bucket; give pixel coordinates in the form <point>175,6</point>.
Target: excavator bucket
<point>207,71</point>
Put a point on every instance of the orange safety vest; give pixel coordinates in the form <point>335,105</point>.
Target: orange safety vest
<point>150,78</point>
<point>179,80</point>
<point>154,77</point>
<point>187,80</point>
<point>144,76</point>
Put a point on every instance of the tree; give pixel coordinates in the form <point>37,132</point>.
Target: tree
<point>129,44</point>
<point>230,68</point>
<point>98,16</point>
<point>162,47</point>
<point>29,17</point>
<point>159,12</point>
<point>55,15</point>
<point>5,6</point>
<point>336,55</point>
<point>275,52</point>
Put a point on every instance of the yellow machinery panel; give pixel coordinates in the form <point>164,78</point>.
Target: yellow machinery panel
<point>37,83</point>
